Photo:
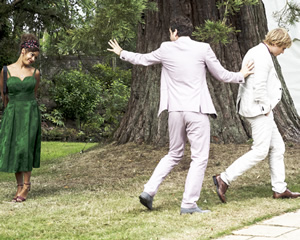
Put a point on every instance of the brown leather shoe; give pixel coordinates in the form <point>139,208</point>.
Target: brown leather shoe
<point>221,187</point>
<point>286,194</point>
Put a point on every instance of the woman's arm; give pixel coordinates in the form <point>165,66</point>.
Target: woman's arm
<point>37,77</point>
<point>3,97</point>
<point>1,85</point>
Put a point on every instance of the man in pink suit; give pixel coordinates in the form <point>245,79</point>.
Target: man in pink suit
<point>184,93</point>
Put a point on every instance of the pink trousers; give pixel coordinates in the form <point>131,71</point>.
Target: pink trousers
<point>183,126</point>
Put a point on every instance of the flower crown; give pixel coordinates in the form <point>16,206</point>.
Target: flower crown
<point>30,44</point>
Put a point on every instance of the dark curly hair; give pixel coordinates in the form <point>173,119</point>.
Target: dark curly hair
<point>183,25</point>
<point>30,37</point>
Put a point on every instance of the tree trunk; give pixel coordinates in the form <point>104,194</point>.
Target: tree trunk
<point>140,122</point>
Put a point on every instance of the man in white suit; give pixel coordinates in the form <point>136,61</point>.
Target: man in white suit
<point>184,93</point>
<point>256,98</point>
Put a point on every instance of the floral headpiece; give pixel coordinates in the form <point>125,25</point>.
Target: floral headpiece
<point>30,44</point>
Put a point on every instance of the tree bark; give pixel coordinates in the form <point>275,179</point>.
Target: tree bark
<point>140,122</point>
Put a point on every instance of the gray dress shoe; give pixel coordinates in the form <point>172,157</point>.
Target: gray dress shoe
<point>192,210</point>
<point>146,200</point>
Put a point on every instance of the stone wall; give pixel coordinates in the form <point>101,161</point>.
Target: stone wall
<point>49,66</point>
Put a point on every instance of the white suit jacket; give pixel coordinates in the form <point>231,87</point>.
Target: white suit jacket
<point>262,90</point>
<point>183,77</point>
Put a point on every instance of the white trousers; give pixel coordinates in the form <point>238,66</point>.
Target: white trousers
<point>182,126</point>
<point>266,139</point>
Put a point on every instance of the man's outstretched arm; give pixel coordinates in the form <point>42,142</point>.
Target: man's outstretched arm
<point>135,58</point>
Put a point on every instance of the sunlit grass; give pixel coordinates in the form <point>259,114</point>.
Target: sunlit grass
<point>54,152</point>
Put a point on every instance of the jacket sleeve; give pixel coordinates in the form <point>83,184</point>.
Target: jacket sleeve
<point>219,72</point>
<point>142,59</point>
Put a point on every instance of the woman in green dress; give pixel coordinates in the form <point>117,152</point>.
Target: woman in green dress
<point>20,133</point>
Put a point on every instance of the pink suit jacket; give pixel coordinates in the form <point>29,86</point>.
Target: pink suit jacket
<point>183,77</point>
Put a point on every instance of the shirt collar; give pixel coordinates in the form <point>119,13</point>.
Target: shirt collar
<point>183,38</point>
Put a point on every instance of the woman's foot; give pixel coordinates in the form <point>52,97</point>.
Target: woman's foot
<point>19,189</point>
<point>23,194</point>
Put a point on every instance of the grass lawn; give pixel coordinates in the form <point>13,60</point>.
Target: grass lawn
<point>94,195</point>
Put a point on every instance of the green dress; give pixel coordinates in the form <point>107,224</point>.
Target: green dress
<point>20,133</point>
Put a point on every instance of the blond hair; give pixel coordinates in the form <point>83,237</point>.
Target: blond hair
<point>278,37</point>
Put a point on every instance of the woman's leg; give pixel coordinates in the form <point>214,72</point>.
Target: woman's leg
<point>26,188</point>
<point>19,178</point>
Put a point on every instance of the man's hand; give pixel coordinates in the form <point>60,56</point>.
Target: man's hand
<point>246,69</point>
<point>115,47</point>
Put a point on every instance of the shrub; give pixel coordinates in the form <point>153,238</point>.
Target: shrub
<point>96,101</point>
<point>108,75</point>
<point>77,95</point>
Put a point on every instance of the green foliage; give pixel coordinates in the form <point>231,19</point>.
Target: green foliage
<point>64,134</point>
<point>70,27</point>
<point>219,31</point>
<point>60,42</point>
<point>96,101</point>
<point>233,6</point>
<point>35,16</point>
<point>288,15</point>
<point>112,19</point>
<point>115,94</point>
<point>108,75</point>
<point>6,56</point>
<point>116,98</point>
<point>76,95</point>
<point>55,117</point>
<point>215,32</point>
